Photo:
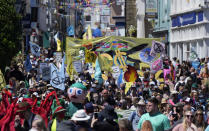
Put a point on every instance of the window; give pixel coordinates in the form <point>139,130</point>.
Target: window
<point>88,18</point>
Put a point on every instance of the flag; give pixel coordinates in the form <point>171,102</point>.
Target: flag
<point>56,36</point>
<point>46,43</point>
<point>88,34</point>
<point>35,49</point>
<point>128,86</point>
<point>70,31</point>
<point>58,76</point>
<point>58,41</point>
<point>70,67</point>
<point>120,78</point>
<point>27,43</point>
<point>2,80</point>
<point>193,55</point>
<point>27,64</point>
<point>98,72</point>
<point>156,65</point>
<point>157,47</point>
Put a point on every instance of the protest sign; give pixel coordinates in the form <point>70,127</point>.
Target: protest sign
<point>156,65</point>
<point>35,49</point>
<point>41,66</point>
<point>78,66</point>
<point>46,73</point>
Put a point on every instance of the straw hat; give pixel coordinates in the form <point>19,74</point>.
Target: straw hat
<point>141,103</point>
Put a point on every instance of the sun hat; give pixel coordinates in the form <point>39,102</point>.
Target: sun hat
<point>141,102</point>
<point>164,101</point>
<point>80,115</point>
<point>35,94</point>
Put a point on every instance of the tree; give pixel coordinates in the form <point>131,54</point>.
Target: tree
<point>10,32</point>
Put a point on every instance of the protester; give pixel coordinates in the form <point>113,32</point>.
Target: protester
<point>136,115</point>
<point>152,115</point>
<point>187,123</point>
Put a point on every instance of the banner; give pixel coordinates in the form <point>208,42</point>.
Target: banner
<point>196,64</point>
<point>157,47</point>
<point>46,42</point>
<point>193,54</point>
<point>90,56</point>
<point>131,74</point>
<point>78,66</point>
<point>70,31</point>
<point>128,86</point>
<point>151,8</point>
<point>166,72</point>
<point>58,76</point>
<point>46,75</point>
<point>98,72</point>
<point>27,64</point>
<point>156,65</point>
<point>41,66</point>
<point>58,57</point>
<point>35,49</point>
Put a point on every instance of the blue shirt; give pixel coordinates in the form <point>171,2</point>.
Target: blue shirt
<point>134,119</point>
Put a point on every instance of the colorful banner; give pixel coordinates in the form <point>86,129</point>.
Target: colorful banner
<point>128,86</point>
<point>90,56</point>
<point>131,74</point>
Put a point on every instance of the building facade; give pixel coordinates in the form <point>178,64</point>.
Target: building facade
<point>189,28</point>
<point>162,22</point>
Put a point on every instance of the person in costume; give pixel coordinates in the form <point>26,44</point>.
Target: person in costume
<point>77,95</point>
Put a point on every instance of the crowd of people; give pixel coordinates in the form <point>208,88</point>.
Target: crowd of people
<point>181,104</point>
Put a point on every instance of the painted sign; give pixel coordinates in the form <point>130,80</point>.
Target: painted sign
<point>151,8</point>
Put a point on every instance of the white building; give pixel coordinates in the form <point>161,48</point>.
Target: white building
<point>189,28</point>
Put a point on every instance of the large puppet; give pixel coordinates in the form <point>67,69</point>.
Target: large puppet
<point>77,94</point>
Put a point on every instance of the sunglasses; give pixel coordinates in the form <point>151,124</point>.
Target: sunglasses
<point>189,116</point>
<point>199,114</point>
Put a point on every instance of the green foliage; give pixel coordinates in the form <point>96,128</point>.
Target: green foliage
<point>10,32</point>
